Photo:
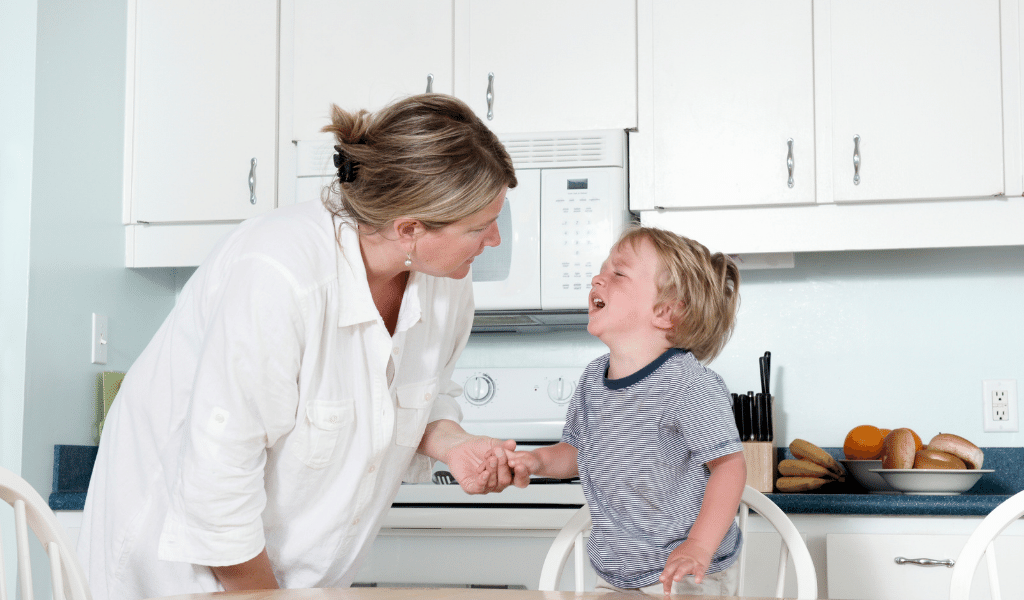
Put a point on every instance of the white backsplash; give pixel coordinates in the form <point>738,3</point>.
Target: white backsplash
<point>891,338</point>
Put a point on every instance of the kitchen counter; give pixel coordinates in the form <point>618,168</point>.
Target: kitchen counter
<point>73,466</point>
<point>849,498</point>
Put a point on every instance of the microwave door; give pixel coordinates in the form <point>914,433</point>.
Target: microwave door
<point>506,277</point>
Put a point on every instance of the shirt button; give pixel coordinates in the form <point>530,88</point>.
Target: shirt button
<point>426,396</point>
<point>372,469</point>
<point>355,521</point>
<point>333,419</point>
<point>219,418</point>
<point>395,351</point>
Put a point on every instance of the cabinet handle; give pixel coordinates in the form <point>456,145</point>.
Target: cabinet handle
<point>856,160</point>
<point>252,181</point>
<point>430,83</point>
<point>926,562</point>
<point>490,96</point>
<point>789,161</point>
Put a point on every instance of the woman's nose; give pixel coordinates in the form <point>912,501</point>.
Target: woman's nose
<point>494,237</point>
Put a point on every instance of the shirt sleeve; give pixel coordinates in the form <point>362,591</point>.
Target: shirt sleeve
<point>704,417</point>
<point>244,398</point>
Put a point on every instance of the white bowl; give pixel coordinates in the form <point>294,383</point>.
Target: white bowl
<point>860,470</point>
<point>932,481</point>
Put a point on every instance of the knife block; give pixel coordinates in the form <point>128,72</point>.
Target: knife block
<point>762,465</point>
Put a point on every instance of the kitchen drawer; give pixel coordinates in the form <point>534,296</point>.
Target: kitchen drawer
<point>863,567</point>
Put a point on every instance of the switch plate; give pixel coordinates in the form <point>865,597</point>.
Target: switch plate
<point>99,339</point>
<point>999,404</point>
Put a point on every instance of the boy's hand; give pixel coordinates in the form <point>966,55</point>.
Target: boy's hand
<point>523,464</point>
<point>689,558</point>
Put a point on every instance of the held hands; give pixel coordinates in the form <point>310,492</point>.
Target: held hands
<point>523,464</point>
<point>689,558</point>
<point>480,464</point>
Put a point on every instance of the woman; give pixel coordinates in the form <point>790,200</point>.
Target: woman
<point>305,371</point>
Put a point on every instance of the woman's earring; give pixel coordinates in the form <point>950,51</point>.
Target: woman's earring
<point>408,260</point>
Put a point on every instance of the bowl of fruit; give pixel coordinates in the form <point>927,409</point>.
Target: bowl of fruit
<point>897,461</point>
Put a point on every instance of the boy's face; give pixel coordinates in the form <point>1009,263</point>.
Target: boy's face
<point>623,296</point>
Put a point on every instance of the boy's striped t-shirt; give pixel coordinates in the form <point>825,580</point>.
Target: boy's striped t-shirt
<point>642,442</point>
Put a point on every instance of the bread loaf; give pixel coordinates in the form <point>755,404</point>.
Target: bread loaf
<point>927,458</point>
<point>808,451</point>
<point>804,468</point>
<point>799,484</point>
<point>963,449</point>
<point>898,449</point>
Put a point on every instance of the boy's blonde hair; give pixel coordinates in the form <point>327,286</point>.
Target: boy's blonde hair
<point>701,288</point>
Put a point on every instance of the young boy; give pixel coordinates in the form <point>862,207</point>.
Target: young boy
<point>650,431</point>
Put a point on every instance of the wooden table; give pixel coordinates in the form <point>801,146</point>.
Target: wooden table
<point>365,593</point>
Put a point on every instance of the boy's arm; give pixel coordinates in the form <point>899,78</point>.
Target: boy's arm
<point>721,499</point>
<point>557,461</point>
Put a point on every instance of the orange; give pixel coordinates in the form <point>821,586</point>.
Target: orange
<point>864,442</point>
<point>886,432</point>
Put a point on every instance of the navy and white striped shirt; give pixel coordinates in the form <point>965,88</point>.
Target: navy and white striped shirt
<point>642,442</point>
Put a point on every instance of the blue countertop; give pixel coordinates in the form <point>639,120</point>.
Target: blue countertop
<point>72,468</point>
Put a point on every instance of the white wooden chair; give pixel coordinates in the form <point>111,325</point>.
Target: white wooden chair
<point>570,540</point>
<point>980,544</point>
<point>31,511</point>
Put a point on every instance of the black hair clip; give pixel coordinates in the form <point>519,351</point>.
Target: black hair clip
<point>347,167</point>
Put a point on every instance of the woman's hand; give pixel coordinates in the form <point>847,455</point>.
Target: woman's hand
<point>479,463</point>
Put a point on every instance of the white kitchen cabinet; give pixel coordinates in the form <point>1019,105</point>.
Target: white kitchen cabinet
<point>936,86</point>
<point>918,84</point>
<point>200,124</point>
<point>363,55</point>
<point>546,65</point>
<point>732,102</point>
<point>864,566</point>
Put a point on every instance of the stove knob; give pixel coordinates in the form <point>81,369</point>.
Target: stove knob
<point>479,389</point>
<point>560,390</point>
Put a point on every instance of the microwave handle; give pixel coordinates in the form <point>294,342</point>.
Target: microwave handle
<point>490,96</point>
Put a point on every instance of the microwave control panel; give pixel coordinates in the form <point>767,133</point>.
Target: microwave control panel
<point>583,212</point>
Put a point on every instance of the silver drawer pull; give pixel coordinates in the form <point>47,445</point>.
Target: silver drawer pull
<point>252,181</point>
<point>490,96</point>
<point>926,562</point>
<point>856,160</point>
<point>789,161</point>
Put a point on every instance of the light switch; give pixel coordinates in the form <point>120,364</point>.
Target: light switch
<point>99,339</point>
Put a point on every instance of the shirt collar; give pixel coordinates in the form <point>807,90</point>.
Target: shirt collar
<point>355,301</point>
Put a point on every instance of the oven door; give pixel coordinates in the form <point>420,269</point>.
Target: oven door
<point>507,277</point>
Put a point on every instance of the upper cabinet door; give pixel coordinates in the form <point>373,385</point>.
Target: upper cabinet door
<point>732,103</point>
<point>549,65</point>
<point>201,110</point>
<point>362,54</point>
<point>916,93</point>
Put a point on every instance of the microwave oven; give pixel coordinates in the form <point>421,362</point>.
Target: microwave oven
<point>557,225</point>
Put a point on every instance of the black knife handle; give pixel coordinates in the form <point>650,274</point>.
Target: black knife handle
<point>745,401</point>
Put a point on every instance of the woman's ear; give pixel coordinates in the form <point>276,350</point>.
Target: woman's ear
<point>407,230</point>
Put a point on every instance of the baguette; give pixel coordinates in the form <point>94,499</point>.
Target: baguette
<point>799,484</point>
<point>808,451</point>
<point>972,455</point>
<point>804,468</point>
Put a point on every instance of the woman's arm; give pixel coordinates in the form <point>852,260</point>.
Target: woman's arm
<point>253,574</point>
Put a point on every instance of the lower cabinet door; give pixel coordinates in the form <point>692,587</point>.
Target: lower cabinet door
<point>865,567</point>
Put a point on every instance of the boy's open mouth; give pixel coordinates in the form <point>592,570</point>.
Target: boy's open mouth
<point>598,303</point>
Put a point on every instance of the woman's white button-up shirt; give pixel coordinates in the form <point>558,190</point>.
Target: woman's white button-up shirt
<point>271,409</point>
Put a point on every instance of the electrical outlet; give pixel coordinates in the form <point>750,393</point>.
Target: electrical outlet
<point>999,404</point>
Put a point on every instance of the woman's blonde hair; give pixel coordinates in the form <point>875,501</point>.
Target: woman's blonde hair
<point>427,157</point>
<point>701,289</point>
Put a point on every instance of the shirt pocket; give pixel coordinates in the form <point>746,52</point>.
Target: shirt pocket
<point>414,403</point>
<point>326,423</point>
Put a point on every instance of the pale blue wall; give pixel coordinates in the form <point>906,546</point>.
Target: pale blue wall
<point>896,339</point>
